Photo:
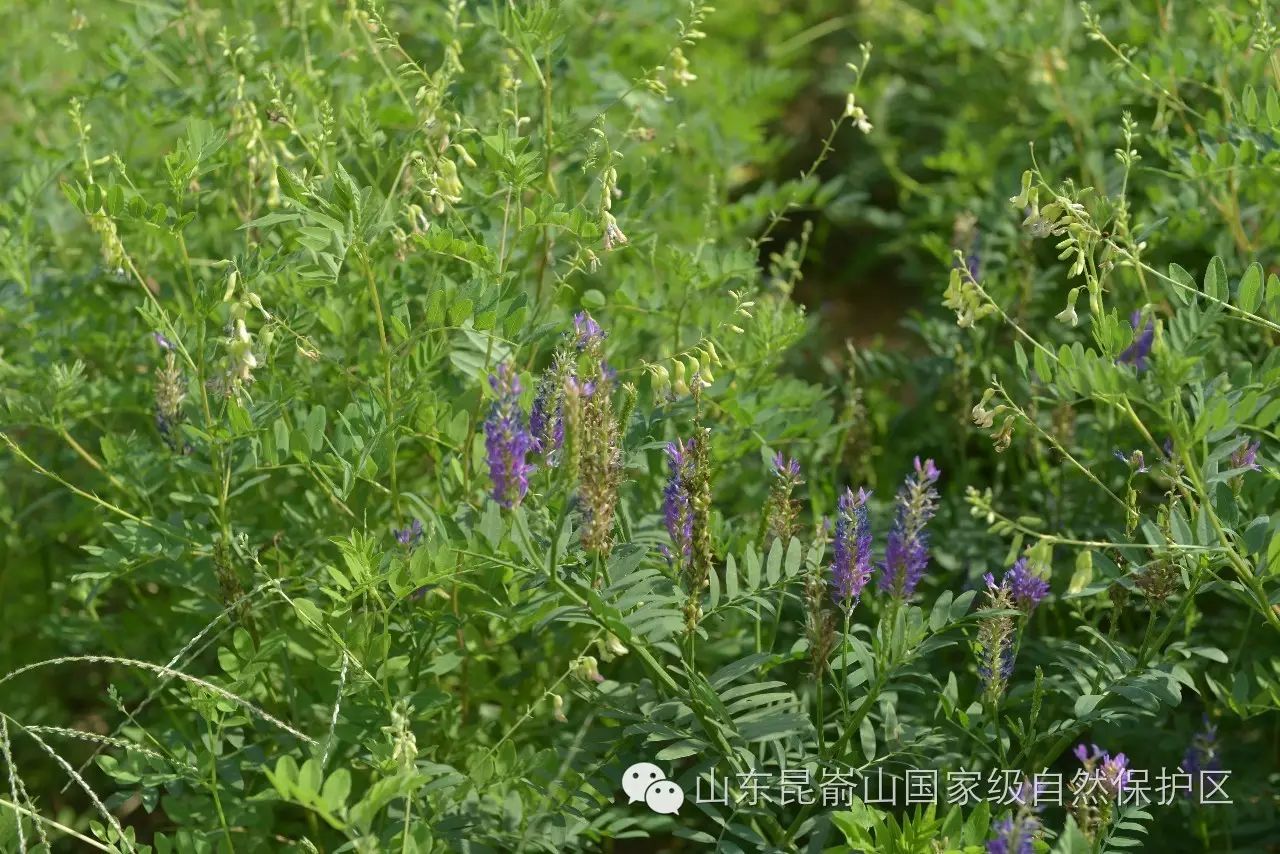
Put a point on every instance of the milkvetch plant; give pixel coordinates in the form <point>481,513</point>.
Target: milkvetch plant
<point>411,422</point>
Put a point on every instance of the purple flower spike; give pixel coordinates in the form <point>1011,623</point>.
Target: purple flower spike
<point>1014,835</point>
<point>785,467</point>
<point>851,562</point>
<point>1027,588</point>
<point>1136,353</point>
<point>1202,754</point>
<point>995,665</point>
<point>1110,772</point>
<point>906,553</point>
<point>165,343</point>
<point>507,440</point>
<point>546,419</point>
<point>1115,772</point>
<point>677,510</point>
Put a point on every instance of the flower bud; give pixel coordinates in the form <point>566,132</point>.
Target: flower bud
<point>680,386</point>
<point>557,708</point>
<point>232,280</point>
<point>586,669</point>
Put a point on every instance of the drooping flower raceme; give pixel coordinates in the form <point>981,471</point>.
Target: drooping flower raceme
<point>507,440</point>
<point>851,549</point>
<point>906,553</point>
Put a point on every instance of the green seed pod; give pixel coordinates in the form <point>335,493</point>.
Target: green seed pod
<point>661,378</point>
<point>681,387</point>
<point>694,367</point>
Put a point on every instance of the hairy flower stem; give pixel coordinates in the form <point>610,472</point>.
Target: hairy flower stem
<point>820,690</point>
<point>851,726</point>
<point>844,667</point>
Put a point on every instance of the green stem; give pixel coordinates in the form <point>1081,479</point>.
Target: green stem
<point>386,375</point>
<point>213,783</point>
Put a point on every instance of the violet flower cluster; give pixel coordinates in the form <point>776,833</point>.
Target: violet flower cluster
<point>410,535</point>
<point>1111,773</point>
<point>906,553</point>
<point>1246,456</point>
<point>507,440</point>
<point>1014,835</point>
<point>1025,587</point>
<point>546,418</point>
<point>1097,788</point>
<point>785,467</point>
<point>587,333</point>
<point>1137,353</point>
<point>686,508</point>
<point>1202,754</point>
<point>851,563</point>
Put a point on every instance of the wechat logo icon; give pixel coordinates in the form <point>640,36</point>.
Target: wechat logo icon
<point>645,782</point>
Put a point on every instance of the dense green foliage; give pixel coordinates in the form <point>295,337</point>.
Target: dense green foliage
<point>290,292</point>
